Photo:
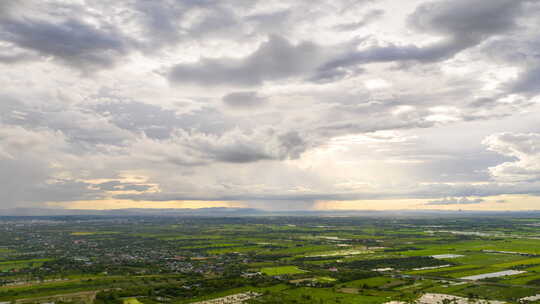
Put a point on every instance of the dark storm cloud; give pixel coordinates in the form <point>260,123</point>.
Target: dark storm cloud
<point>246,147</point>
<point>72,41</point>
<point>275,59</point>
<point>293,143</point>
<point>474,20</point>
<point>160,19</point>
<point>462,23</point>
<point>521,51</point>
<point>435,52</point>
<point>166,21</point>
<point>239,153</point>
<point>247,99</point>
<point>528,82</point>
<point>328,76</point>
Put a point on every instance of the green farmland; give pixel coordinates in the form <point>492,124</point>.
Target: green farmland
<point>268,260</point>
<point>281,270</point>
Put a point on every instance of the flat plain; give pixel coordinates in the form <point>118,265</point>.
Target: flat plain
<point>149,260</point>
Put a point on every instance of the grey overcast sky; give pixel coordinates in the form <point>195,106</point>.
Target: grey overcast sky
<point>293,104</point>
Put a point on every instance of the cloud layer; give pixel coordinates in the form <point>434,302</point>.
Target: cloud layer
<point>273,105</point>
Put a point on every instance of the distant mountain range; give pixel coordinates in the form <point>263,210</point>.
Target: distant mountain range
<point>239,212</point>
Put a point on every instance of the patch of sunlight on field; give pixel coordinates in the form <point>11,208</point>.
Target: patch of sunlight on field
<point>131,301</point>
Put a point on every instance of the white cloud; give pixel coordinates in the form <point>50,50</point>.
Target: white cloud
<point>524,148</point>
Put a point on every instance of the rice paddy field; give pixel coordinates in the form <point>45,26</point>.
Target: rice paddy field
<point>281,270</point>
<point>279,259</point>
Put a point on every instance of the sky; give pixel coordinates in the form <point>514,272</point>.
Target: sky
<point>277,105</point>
